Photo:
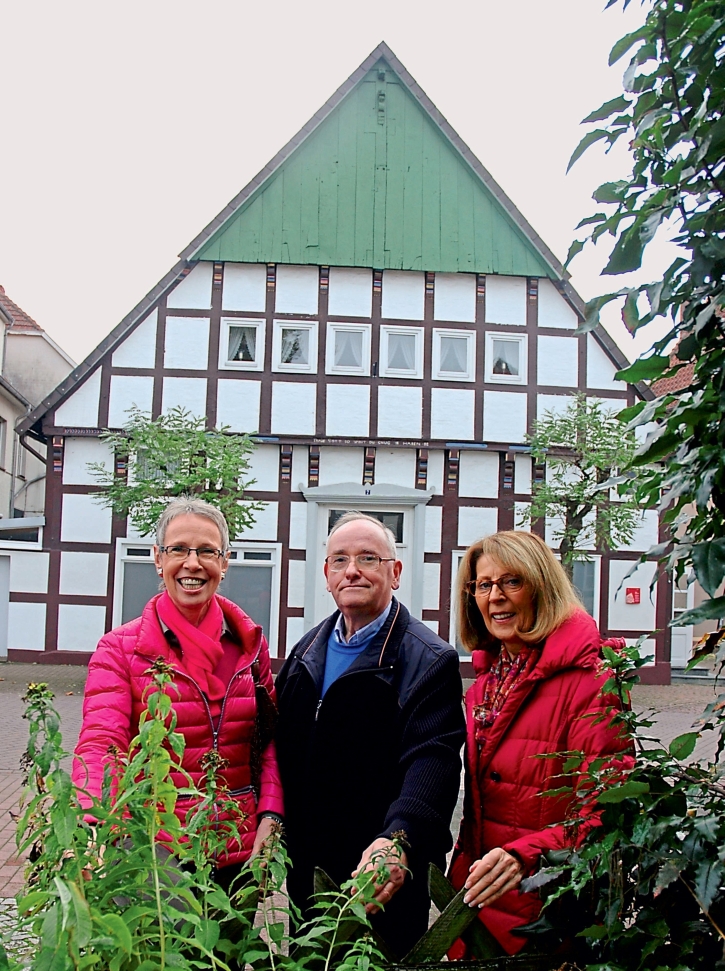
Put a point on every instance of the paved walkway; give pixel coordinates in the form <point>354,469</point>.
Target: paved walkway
<point>678,706</point>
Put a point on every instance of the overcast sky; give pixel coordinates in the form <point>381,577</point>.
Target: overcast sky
<point>127,127</point>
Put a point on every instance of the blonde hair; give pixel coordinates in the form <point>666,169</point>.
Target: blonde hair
<point>526,555</point>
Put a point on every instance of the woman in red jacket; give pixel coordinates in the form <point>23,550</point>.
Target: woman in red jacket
<point>223,695</point>
<point>536,656</point>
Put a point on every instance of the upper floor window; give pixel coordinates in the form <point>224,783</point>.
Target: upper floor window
<point>454,355</point>
<point>348,349</point>
<point>3,441</point>
<point>242,344</point>
<point>506,360</point>
<point>294,346</point>
<point>401,352</point>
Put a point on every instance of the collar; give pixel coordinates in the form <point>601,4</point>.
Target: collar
<point>173,641</point>
<point>366,632</point>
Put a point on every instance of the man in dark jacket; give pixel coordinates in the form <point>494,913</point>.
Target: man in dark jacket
<point>369,735</point>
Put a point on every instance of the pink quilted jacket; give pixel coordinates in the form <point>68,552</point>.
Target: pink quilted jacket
<point>114,701</point>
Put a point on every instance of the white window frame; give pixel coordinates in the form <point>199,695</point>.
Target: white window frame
<point>470,337</point>
<point>333,327</point>
<point>279,326</point>
<point>387,372</point>
<point>520,378</point>
<point>226,323</point>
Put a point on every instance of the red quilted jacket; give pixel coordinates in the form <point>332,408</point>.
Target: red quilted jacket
<point>114,701</point>
<point>544,713</point>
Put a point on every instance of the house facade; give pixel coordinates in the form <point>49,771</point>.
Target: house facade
<point>377,313</point>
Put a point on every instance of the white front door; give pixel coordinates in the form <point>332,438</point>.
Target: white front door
<point>683,598</point>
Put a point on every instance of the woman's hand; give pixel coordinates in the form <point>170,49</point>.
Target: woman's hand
<point>266,827</point>
<point>491,877</point>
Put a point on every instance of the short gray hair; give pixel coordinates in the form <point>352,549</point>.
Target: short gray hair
<point>189,506</point>
<point>353,516</point>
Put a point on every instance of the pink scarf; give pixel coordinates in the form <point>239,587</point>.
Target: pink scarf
<point>201,646</point>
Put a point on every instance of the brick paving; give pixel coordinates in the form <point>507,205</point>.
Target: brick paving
<point>677,707</point>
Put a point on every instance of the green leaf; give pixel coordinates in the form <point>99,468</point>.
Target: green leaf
<point>708,559</point>
<point>625,43</point>
<point>629,790</point>
<point>608,108</point>
<point>667,875</point>
<point>683,746</point>
<point>707,883</point>
<point>206,933</point>
<point>627,253</point>
<point>589,139</point>
<point>118,929</point>
<point>644,369</point>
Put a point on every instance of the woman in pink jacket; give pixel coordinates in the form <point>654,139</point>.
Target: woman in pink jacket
<point>536,654</point>
<point>223,696</point>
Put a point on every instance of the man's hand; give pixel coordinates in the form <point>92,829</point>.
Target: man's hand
<point>491,877</point>
<point>266,827</point>
<point>383,850</point>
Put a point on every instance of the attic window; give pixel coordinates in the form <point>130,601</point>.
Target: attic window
<point>294,346</point>
<point>506,358</point>
<point>348,349</point>
<point>401,352</point>
<point>242,344</point>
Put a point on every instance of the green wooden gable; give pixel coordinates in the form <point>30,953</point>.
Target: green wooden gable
<point>378,179</point>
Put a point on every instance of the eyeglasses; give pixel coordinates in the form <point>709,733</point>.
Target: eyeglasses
<point>364,561</point>
<point>204,553</point>
<point>483,588</point>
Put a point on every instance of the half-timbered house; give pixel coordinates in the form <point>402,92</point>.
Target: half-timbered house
<point>384,320</point>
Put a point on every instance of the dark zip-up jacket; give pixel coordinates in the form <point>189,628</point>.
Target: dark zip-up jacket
<point>379,754</point>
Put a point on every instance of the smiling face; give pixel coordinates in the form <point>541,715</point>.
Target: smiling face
<point>190,582</point>
<point>361,595</point>
<point>504,612</point>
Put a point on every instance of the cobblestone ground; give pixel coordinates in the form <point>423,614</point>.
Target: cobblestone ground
<point>677,707</point>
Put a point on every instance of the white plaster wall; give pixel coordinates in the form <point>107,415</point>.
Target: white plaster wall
<point>264,528</point>
<point>187,393</point>
<point>504,417</point>
<point>403,294</point>
<point>84,574</point>
<point>400,412</point>
<point>600,368</point>
<point>264,467</point>
<point>295,630</point>
<point>454,297</point>
<point>300,467</point>
<point>624,616</point>
<point>395,466</point>
<point>506,300</point>
<point>244,287</point>
<point>298,526</point>
<point>647,532</point>
<point>26,626</point>
<point>139,348</point>
<point>186,344</point>
<point>297,289</point>
<point>351,292</point>
<point>293,408</point>
<point>194,291</point>
<point>475,522</point>
<point>340,464</point>
<point>478,475</point>
<point>78,452</point>
<point>347,410</point>
<point>433,528</point>
<point>558,361</point>
<point>554,311</point>
<point>554,403</point>
<point>126,391</point>
<point>553,527</point>
<point>436,464</point>
<point>452,414</point>
<point>29,571</point>
<point>84,520</point>
<point>646,648</point>
<point>520,510</point>
<point>80,410</point>
<point>431,586</point>
<point>296,583</point>
<point>522,474</point>
<point>80,627</point>
<point>237,404</point>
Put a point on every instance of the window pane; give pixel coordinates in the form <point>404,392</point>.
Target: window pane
<point>584,582</point>
<point>348,348</point>
<point>140,584</point>
<point>242,344</point>
<point>506,357</point>
<point>454,354</point>
<point>251,589</point>
<point>295,346</point>
<point>401,352</point>
<point>393,520</point>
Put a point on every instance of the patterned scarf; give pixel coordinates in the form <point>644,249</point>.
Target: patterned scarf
<point>500,679</point>
<point>201,647</point>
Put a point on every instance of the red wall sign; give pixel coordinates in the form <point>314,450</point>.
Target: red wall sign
<point>632,595</point>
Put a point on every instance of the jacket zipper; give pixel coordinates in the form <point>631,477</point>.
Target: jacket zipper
<point>349,674</point>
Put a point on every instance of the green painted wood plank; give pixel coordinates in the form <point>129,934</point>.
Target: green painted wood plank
<point>412,216</point>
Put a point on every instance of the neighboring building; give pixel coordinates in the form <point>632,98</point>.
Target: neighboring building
<point>375,309</point>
